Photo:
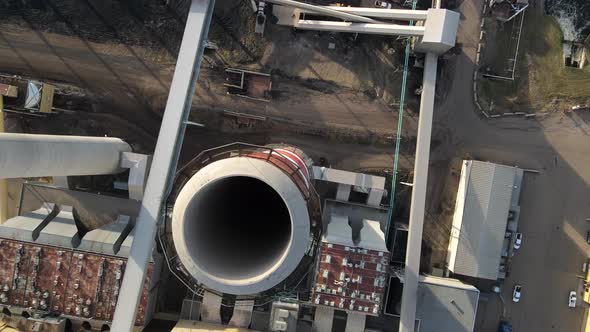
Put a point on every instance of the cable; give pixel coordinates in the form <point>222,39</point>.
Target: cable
<point>398,134</point>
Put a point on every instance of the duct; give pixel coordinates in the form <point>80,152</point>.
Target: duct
<point>242,316</point>
<point>390,14</point>
<point>211,308</point>
<point>324,11</point>
<point>92,211</point>
<point>28,155</point>
<point>366,28</point>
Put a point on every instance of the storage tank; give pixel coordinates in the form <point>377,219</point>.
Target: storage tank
<point>241,223</point>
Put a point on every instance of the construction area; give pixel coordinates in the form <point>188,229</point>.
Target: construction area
<point>275,166</point>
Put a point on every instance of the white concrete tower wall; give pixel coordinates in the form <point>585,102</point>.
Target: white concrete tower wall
<point>241,225</point>
<point>28,155</point>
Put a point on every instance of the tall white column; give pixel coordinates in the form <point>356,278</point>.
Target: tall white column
<point>418,205</point>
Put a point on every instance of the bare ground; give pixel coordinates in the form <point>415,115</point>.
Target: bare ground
<point>125,52</point>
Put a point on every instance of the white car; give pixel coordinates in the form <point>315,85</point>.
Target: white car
<point>572,299</point>
<point>382,4</point>
<point>518,241</point>
<point>517,293</point>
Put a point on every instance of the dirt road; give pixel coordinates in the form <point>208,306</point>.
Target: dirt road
<point>137,79</point>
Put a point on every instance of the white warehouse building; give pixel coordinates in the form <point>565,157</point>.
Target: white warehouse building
<point>485,220</point>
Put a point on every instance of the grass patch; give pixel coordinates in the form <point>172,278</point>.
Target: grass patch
<point>542,81</point>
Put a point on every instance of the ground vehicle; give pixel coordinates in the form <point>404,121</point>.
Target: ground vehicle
<point>588,236</point>
<point>572,299</point>
<point>517,293</point>
<point>504,326</point>
<point>382,4</point>
<point>518,241</point>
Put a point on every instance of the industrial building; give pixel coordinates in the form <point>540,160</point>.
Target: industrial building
<point>66,251</point>
<point>442,304</point>
<point>485,219</point>
<point>446,305</point>
<point>81,242</point>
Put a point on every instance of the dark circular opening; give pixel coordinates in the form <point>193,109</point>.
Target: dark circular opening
<point>237,227</point>
<point>86,326</point>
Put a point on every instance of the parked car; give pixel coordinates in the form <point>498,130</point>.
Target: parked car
<point>588,236</point>
<point>517,293</point>
<point>518,241</point>
<point>382,4</point>
<point>572,299</point>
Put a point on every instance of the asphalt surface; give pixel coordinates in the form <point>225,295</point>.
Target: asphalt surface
<point>554,203</point>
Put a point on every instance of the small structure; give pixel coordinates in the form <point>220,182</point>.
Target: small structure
<point>574,54</point>
<point>486,211</point>
<point>249,84</point>
<point>373,186</point>
<point>506,10</point>
<point>7,90</point>
<point>446,305</point>
<point>28,96</point>
<point>442,304</point>
<point>283,316</point>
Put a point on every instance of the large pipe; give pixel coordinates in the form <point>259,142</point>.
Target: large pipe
<point>323,10</point>
<point>241,225</point>
<point>390,14</point>
<point>28,155</point>
<point>365,28</point>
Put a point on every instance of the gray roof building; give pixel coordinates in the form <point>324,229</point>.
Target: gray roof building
<point>487,192</point>
<point>446,305</point>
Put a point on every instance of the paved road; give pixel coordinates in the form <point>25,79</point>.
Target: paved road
<point>554,203</point>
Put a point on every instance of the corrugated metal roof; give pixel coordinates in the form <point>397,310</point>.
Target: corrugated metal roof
<point>482,225</point>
